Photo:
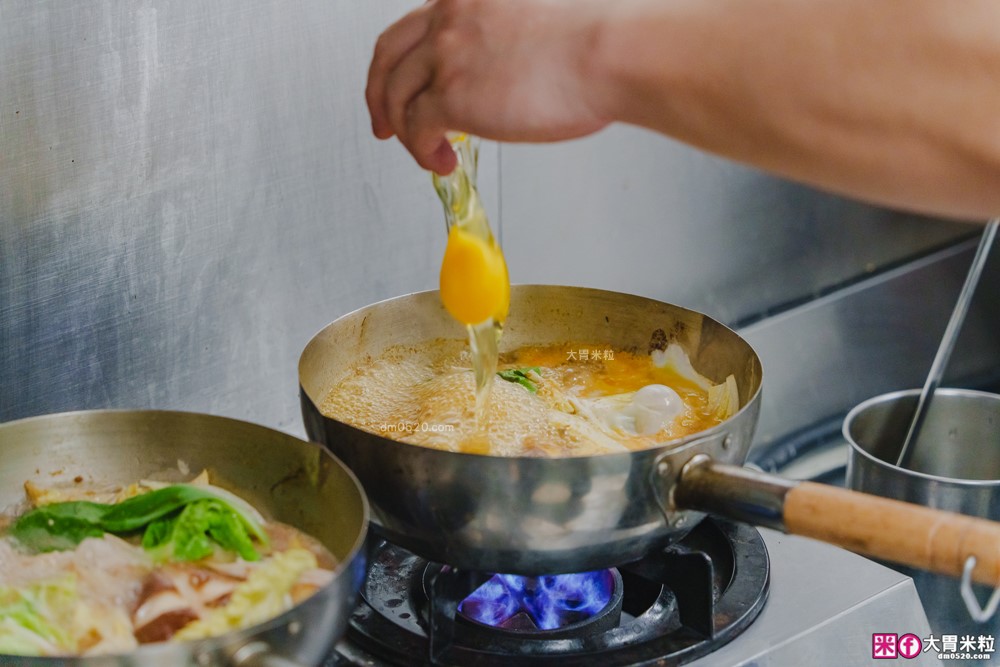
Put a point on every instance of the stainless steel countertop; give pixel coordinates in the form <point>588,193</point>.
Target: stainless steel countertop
<point>823,607</point>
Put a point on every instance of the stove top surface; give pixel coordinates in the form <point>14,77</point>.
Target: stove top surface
<point>676,605</point>
<point>822,608</point>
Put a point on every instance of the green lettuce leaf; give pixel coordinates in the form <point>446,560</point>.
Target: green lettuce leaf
<point>189,536</point>
<point>187,516</point>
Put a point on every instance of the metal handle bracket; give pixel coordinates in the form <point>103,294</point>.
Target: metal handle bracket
<point>978,614</point>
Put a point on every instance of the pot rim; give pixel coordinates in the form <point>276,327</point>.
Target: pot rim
<point>894,396</point>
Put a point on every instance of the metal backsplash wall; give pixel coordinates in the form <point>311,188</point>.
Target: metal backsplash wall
<point>631,211</point>
<point>189,190</point>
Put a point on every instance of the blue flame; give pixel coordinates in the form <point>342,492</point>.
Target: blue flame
<point>552,601</point>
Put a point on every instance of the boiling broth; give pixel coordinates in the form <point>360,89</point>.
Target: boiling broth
<point>564,400</point>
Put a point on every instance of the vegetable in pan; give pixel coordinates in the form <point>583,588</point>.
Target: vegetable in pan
<point>181,522</point>
<point>526,377</point>
<point>153,562</point>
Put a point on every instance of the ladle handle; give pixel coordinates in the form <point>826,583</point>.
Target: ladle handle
<point>913,535</point>
<point>906,453</point>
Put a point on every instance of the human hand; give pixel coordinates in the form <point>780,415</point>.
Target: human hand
<point>509,70</point>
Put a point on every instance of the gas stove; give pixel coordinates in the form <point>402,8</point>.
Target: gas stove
<point>725,595</point>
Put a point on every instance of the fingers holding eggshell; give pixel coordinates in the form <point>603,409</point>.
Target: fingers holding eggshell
<point>413,75</point>
<point>426,125</point>
<point>392,46</point>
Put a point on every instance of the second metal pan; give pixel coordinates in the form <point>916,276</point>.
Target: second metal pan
<point>286,478</point>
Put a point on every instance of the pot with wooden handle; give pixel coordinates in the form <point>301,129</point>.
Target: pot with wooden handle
<point>533,516</point>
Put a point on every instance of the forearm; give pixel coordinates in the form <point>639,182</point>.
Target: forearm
<point>894,101</point>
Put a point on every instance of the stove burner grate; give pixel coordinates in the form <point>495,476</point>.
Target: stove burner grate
<point>677,604</point>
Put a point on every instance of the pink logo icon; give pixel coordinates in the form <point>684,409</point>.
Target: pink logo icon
<point>909,646</point>
<point>884,646</point>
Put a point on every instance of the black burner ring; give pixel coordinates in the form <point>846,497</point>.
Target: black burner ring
<point>664,624</point>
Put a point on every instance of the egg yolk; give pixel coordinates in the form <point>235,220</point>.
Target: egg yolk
<point>474,282</point>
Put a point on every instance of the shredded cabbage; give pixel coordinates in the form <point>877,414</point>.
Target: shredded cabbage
<point>34,618</point>
<point>724,399</point>
<point>265,594</point>
<point>676,359</point>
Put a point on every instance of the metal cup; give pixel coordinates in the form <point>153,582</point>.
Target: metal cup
<point>956,467</point>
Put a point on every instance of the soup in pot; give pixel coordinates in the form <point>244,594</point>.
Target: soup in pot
<point>574,399</point>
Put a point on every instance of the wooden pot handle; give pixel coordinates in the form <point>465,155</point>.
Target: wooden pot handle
<point>892,530</point>
<point>914,535</point>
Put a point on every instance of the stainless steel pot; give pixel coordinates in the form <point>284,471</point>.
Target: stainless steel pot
<point>956,467</point>
<point>537,516</point>
<point>288,479</point>
<point>527,515</point>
